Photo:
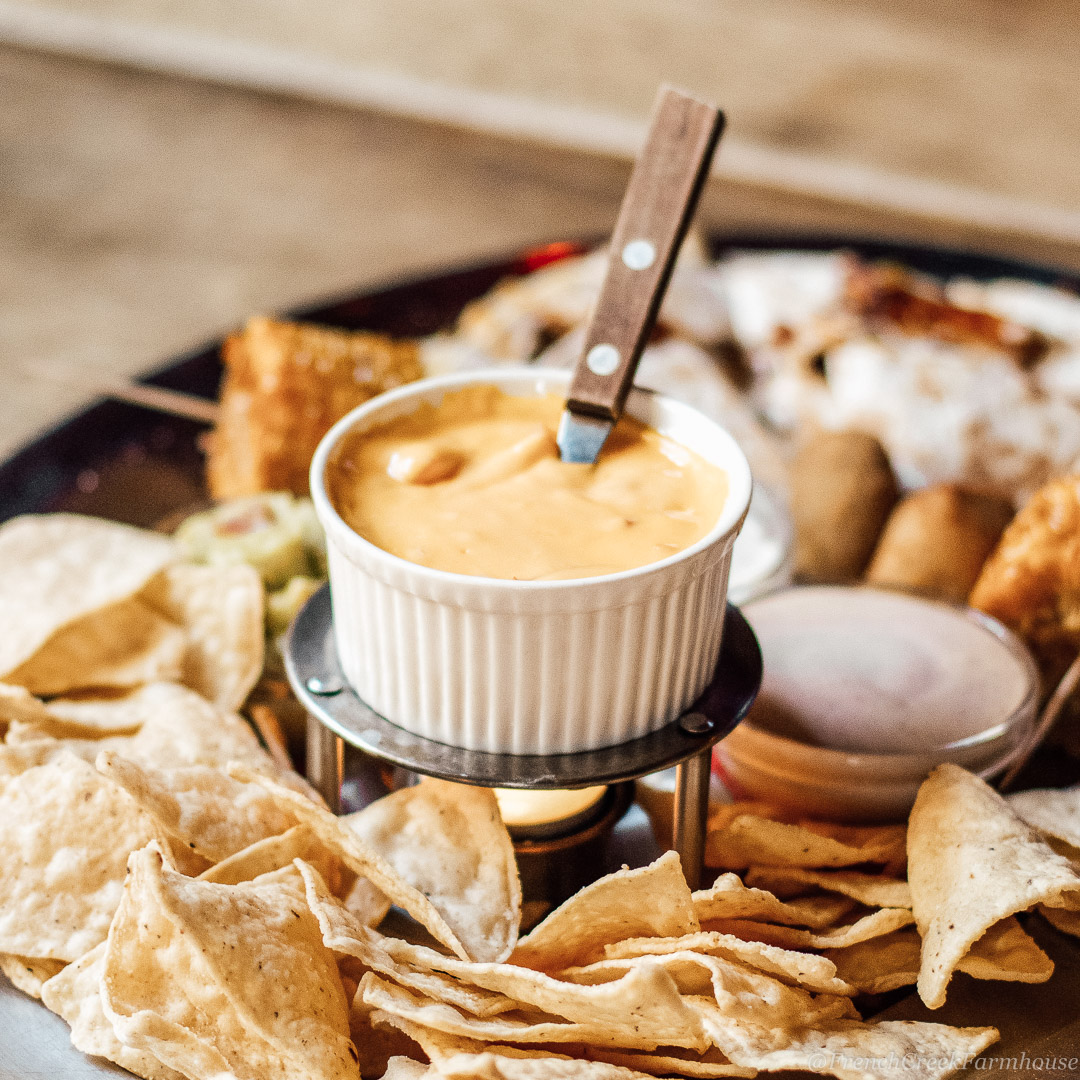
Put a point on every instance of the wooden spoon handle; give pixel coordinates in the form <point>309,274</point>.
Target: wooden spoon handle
<point>660,201</point>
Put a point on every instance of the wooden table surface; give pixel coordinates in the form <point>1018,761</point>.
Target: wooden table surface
<point>141,214</point>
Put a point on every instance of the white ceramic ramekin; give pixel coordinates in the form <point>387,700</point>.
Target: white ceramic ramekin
<point>531,667</point>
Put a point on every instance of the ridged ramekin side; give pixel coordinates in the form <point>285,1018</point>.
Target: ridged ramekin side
<point>528,683</point>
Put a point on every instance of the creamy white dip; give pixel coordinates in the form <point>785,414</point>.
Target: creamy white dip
<point>864,670</point>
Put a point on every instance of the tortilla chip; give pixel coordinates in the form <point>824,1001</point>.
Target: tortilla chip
<point>873,890</point>
<point>722,814</point>
<point>404,1068</point>
<point>747,840</point>
<point>1053,812</point>
<point>1064,849</point>
<point>807,970</point>
<point>437,1045</point>
<point>58,568</point>
<point>15,760</point>
<point>19,706</point>
<point>671,1062</point>
<point>67,832</point>
<point>1068,922</point>
<point>225,979</point>
<point>48,724</point>
<point>449,842</point>
<point>880,964</point>
<point>729,898</point>
<point>359,857</point>
<point>346,935</point>
<point>176,727</point>
<point>125,645</point>
<point>882,921</point>
<point>504,1066</point>
<point>971,863</point>
<point>366,901</point>
<point>1006,952</point>
<point>162,725</point>
<point>531,1026</point>
<point>849,1049</point>
<point>737,989</point>
<point>439,987</point>
<point>221,611</point>
<point>200,806</point>
<point>275,853</point>
<point>651,1000</point>
<point>28,974</point>
<point>441,1048</point>
<point>75,996</point>
<point>651,901</point>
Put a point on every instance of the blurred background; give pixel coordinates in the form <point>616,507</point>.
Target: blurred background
<point>168,168</point>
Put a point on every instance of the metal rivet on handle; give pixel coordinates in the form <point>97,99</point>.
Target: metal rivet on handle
<point>325,687</point>
<point>695,723</point>
<point>639,254</point>
<point>602,359</point>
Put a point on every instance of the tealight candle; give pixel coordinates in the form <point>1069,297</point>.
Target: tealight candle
<point>561,837</point>
<point>545,814</point>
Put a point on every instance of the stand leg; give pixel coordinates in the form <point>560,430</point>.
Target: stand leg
<point>691,810</point>
<point>325,762</point>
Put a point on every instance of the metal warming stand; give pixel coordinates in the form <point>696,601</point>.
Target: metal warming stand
<point>337,716</point>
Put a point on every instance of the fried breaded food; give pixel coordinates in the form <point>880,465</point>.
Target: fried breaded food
<point>1032,580</point>
<point>842,490</point>
<point>936,541</point>
<point>285,385</point>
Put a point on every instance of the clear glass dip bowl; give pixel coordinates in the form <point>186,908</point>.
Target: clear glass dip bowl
<point>861,755</point>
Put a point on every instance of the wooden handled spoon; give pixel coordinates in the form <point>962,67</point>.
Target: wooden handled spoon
<point>660,201</point>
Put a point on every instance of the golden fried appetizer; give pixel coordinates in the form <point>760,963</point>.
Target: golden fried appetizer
<point>285,385</point>
<point>842,490</point>
<point>936,542</point>
<point>1032,580</point>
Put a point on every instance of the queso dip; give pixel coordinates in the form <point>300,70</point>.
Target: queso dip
<point>474,485</point>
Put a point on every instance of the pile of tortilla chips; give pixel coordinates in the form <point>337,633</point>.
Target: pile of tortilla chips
<point>974,861</point>
<point>191,909</point>
<point>89,605</point>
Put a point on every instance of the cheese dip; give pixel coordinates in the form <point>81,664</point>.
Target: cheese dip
<point>474,485</point>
